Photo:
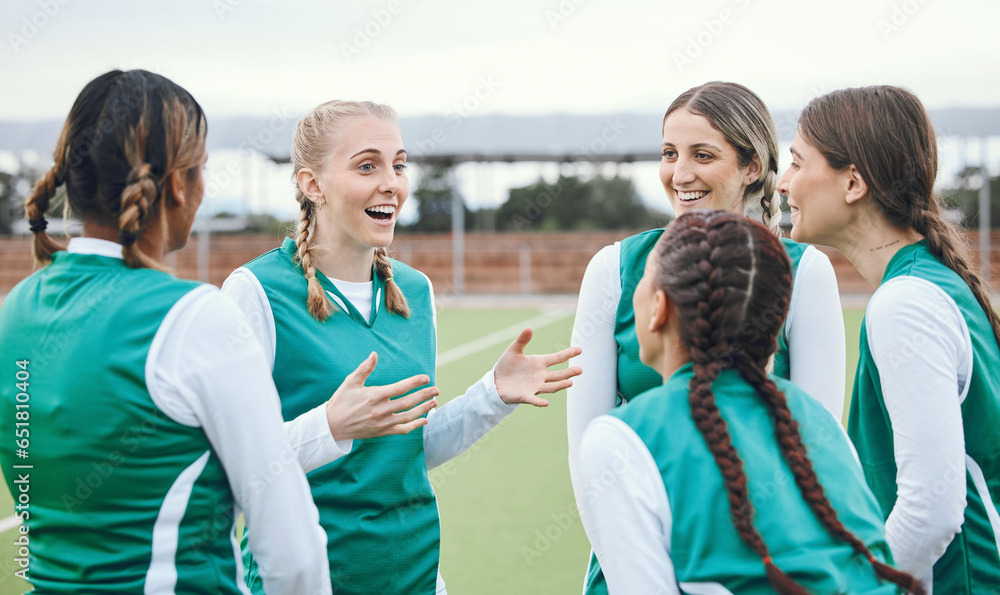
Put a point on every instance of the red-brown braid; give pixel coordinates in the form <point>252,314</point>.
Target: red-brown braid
<point>730,281</point>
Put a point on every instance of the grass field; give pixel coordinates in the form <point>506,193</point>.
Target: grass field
<point>508,518</point>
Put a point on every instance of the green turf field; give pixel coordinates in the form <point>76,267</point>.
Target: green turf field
<point>508,519</point>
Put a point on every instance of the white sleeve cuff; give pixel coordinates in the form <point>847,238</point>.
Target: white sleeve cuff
<point>457,425</point>
<point>488,385</point>
<point>311,439</point>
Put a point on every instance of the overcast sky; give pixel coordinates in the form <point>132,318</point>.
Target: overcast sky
<point>255,57</point>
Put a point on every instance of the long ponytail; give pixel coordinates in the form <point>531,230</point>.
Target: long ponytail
<point>887,134</point>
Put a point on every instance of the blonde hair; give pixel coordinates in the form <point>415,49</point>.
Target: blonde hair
<point>125,134</point>
<point>743,119</point>
<point>311,147</point>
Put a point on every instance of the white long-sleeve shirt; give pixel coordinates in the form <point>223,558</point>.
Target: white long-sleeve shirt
<point>451,429</point>
<point>814,329</point>
<point>204,371</point>
<point>923,350</point>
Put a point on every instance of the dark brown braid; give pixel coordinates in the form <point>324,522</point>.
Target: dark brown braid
<point>35,208</point>
<point>794,452</point>
<point>886,133</point>
<point>138,198</point>
<point>125,134</point>
<point>730,280</point>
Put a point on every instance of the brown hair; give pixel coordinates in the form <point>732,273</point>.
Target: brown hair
<point>730,280</point>
<point>743,119</point>
<point>311,148</point>
<point>886,134</point>
<point>126,132</point>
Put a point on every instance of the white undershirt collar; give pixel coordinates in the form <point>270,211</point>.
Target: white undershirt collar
<point>95,246</point>
<point>359,294</point>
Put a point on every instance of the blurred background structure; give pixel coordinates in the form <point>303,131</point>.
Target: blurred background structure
<point>533,128</point>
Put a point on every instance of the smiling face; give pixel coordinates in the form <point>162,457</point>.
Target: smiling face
<point>363,185</point>
<point>816,195</point>
<point>700,169</point>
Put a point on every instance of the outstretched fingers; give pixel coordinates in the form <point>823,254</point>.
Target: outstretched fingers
<point>402,387</point>
<point>536,400</point>
<point>563,356</point>
<point>522,340</point>
<point>360,374</point>
<point>421,402</point>
<point>554,387</point>
<point>564,374</point>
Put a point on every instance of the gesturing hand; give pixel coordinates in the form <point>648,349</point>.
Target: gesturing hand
<point>358,411</point>
<point>519,378</point>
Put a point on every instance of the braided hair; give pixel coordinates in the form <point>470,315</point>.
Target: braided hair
<point>730,280</point>
<point>126,132</point>
<point>743,119</point>
<point>311,147</point>
<point>886,133</point>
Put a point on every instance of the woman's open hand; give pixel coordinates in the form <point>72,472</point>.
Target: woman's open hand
<point>520,378</point>
<point>357,411</point>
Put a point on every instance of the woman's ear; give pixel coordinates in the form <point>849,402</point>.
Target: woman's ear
<point>753,170</point>
<point>662,308</point>
<point>174,187</point>
<point>855,185</point>
<point>309,186</point>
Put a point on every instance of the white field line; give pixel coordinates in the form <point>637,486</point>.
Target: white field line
<point>500,336</point>
<point>9,523</point>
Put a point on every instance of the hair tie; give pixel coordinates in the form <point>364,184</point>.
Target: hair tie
<point>871,558</point>
<point>126,238</point>
<point>38,225</point>
<point>312,279</point>
<point>768,561</point>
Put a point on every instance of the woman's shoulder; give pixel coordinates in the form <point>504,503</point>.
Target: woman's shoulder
<point>804,407</point>
<point>280,254</point>
<point>405,275</point>
<point>803,255</point>
<point>657,401</point>
<point>640,243</point>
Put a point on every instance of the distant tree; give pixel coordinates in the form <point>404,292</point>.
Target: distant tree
<point>434,197</point>
<point>571,203</point>
<point>965,197</point>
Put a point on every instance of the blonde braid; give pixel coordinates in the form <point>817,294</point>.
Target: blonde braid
<point>395,301</point>
<point>769,204</point>
<point>319,305</point>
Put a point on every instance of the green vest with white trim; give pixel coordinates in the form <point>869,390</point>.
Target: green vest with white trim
<point>704,545</point>
<point>634,377</point>
<point>120,498</point>
<point>971,564</point>
<point>376,503</point>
